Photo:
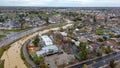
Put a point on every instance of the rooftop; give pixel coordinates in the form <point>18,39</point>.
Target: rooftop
<point>46,40</point>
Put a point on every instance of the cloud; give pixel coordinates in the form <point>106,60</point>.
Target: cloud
<point>67,3</point>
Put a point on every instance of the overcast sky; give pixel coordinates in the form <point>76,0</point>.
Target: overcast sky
<point>62,3</point>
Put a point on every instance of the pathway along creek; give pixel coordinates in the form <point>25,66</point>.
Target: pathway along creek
<point>12,55</point>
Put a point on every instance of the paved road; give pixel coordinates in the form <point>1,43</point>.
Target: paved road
<point>99,61</point>
<point>26,55</point>
<point>18,35</point>
<point>25,46</point>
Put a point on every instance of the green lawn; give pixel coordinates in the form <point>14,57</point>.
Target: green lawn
<point>45,15</point>
<point>2,49</point>
<point>2,36</point>
<point>57,14</point>
<point>17,30</point>
<point>1,63</point>
<point>32,15</point>
<point>55,25</point>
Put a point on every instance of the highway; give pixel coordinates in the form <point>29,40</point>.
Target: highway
<point>18,35</point>
<point>96,63</point>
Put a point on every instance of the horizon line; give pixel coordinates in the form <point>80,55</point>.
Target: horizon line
<point>67,6</point>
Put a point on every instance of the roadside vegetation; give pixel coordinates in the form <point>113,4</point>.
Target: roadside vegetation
<point>54,26</point>
<point>23,58</point>
<point>112,64</point>
<point>2,50</point>
<point>83,51</point>
<point>40,61</point>
<point>2,63</point>
<point>18,30</point>
<point>36,41</point>
<point>2,36</point>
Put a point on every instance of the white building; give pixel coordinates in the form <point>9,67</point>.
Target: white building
<point>63,33</point>
<point>51,49</point>
<point>47,41</point>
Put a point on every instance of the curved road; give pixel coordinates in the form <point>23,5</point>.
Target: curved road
<point>18,35</point>
<point>26,55</point>
<point>13,53</point>
<point>25,52</point>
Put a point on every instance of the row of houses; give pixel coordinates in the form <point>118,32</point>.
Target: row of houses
<point>16,24</point>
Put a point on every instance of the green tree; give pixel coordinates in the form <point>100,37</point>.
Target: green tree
<point>70,32</point>
<point>47,20</point>
<point>41,58</point>
<point>82,46</point>
<point>77,19</point>
<point>94,19</point>
<point>83,50</point>
<point>105,50</point>
<point>108,50</point>
<point>112,35</point>
<point>61,29</point>
<point>2,63</point>
<point>84,54</point>
<point>42,64</point>
<point>22,22</point>
<point>118,43</point>
<point>36,41</point>
<point>112,64</point>
<point>100,39</point>
<point>36,59</point>
<point>99,32</point>
<point>2,19</point>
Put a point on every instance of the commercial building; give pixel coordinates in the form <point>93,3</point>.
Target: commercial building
<point>48,48</point>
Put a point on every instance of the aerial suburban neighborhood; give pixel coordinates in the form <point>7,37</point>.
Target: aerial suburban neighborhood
<point>59,37</point>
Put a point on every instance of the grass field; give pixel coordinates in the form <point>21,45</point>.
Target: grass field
<point>56,25</point>
<point>2,36</point>
<point>17,30</point>
<point>1,63</point>
<point>2,49</point>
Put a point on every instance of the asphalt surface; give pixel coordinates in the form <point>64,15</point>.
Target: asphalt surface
<point>18,35</point>
<point>99,61</point>
<point>26,55</point>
